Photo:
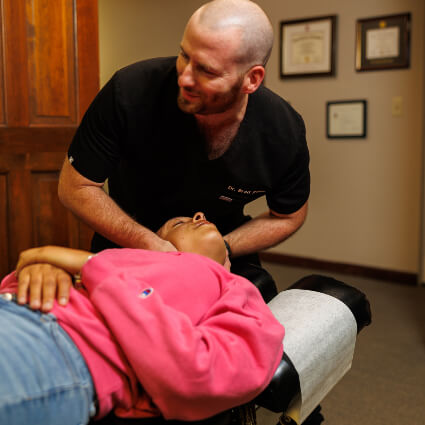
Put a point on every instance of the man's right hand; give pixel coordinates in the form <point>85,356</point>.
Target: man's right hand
<point>163,246</point>
<point>92,205</point>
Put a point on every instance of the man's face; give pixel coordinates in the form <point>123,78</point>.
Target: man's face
<point>194,234</point>
<point>210,81</point>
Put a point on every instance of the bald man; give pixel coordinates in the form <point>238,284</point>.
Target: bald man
<point>198,132</point>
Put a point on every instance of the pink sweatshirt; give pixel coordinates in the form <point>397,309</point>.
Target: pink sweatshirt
<point>169,333</point>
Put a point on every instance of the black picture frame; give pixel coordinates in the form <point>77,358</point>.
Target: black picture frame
<point>307,47</point>
<point>383,42</point>
<point>346,119</point>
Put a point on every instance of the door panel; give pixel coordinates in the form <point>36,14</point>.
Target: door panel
<point>52,57</point>
<point>49,224</point>
<point>2,91</point>
<point>4,236</point>
<point>49,75</point>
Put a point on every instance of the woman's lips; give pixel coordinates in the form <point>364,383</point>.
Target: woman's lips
<point>201,223</point>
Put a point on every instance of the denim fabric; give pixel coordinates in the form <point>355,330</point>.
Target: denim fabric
<point>44,379</point>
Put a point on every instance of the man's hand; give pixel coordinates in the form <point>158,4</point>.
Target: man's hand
<point>163,246</point>
<point>92,205</point>
<point>227,264</point>
<point>41,283</point>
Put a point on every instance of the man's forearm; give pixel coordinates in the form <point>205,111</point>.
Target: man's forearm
<point>264,231</point>
<point>93,206</point>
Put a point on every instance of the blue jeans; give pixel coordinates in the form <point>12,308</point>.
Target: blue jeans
<point>44,379</point>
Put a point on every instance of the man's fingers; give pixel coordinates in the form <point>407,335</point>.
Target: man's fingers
<point>227,264</point>
<point>64,287</point>
<point>169,247</point>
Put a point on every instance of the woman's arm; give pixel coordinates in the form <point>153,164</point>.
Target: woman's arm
<point>68,259</point>
<point>45,272</point>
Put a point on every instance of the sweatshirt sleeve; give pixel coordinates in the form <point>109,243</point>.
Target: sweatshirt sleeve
<point>190,371</point>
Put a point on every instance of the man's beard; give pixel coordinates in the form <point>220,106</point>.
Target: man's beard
<point>217,104</point>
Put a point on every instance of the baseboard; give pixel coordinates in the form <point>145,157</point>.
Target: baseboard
<point>330,266</point>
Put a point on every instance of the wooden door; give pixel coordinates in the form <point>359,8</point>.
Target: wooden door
<point>49,73</point>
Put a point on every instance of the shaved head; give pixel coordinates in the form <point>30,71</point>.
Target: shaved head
<point>248,19</point>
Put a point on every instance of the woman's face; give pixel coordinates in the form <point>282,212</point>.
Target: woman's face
<point>195,235</point>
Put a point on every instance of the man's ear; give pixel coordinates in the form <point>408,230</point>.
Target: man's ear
<point>253,78</point>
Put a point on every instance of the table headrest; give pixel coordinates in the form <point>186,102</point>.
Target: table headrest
<point>355,300</point>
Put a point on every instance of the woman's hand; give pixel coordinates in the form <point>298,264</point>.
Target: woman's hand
<point>41,283</point>
<point>46,272</point>
<point>71,260</point>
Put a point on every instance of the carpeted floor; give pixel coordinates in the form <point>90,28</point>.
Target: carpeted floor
<point>386,384</point>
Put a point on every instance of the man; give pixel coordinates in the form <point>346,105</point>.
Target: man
<point>197,133</point>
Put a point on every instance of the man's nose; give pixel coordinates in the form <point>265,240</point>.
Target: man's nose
<point>186,77</point>
<point>198,216</point>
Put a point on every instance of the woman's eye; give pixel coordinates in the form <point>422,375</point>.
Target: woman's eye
<point>177,223</point>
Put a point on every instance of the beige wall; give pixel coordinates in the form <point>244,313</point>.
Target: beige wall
<point>365,201</point>
<point>131,30</point>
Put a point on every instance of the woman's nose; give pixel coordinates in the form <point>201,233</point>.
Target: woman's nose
<point>198,216</point>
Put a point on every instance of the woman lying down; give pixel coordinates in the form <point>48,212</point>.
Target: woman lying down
<point>145,333</point>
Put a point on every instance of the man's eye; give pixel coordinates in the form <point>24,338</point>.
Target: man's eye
<point>177,223</point>
<point>208,72</point>
<point>184,55</point>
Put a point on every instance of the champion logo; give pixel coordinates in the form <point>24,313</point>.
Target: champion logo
<point>146,293</point>
<point>71,159</point>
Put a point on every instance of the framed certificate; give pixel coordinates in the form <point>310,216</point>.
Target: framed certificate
<point>346,119</point>
<point>307,47</point>
<point>383,42</point>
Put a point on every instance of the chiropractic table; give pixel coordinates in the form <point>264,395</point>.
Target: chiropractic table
<point>322,317</point>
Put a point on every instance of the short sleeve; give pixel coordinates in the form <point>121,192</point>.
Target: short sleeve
<point>97,145</point>
<point>291,191</point>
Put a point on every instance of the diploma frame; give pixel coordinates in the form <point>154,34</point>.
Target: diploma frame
<point>307,47</point>
<point>346,119</point>
<point>383,42</point>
